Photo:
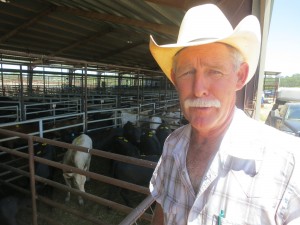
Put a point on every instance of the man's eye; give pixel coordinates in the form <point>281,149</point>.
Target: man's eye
<point>215,74</point>
<point>187,73</point>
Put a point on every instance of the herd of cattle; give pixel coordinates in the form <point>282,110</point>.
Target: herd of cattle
<point>130,140</point>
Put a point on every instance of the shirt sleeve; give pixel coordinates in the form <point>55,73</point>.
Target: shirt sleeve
<point>156,182</point>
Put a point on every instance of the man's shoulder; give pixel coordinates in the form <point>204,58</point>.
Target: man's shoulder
<point>177,140</point>
<point>182,132</point>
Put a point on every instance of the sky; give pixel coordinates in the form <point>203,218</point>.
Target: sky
<point>283,45</point>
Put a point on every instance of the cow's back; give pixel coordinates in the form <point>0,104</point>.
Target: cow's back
<point>78,158</point>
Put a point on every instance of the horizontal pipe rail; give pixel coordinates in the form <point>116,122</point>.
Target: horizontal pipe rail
<point>95,176</point>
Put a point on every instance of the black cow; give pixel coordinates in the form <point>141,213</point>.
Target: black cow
<point>132,133</point>
<point>115,139</point>
<point>104,139</point>
<point>123,146</point>
<point>133,174</point>
<point>43,170</point>
<point>149,144</point>
<point>162,132</point>
<point>9,208</point>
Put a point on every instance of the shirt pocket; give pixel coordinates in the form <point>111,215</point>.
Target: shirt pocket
<point>269,182</point>
<point>262,191</point>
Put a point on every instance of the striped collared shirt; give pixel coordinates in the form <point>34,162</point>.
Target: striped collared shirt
<point>254,178</point>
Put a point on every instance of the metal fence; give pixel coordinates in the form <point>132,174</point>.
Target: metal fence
<point>29,171</point>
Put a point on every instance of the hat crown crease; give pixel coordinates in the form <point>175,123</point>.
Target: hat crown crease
<point>191,29</point>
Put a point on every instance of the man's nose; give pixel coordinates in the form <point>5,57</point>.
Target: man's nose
<point>201,85</point>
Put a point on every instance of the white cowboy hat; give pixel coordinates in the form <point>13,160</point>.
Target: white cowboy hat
<point>205,24</point>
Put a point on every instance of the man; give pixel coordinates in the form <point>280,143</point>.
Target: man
<point>223,167</point>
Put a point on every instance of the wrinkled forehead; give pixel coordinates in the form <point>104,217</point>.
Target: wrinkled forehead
<point>212,48</point>
<point>205,48</point>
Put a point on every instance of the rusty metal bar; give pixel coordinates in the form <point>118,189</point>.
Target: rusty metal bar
<point>26,192</point>
<point>93,175</point>
<point>99,177</point>
<point>32,180</point>
<point>16,170</point>
<point>15,187</point>
<point>90,197</point>
<point>14,152</point>
<point>139,210</point>
<point>97,199</point>
<point>13,160</point>
<point>97,152</point>
<point>14,178</point>
<point>9,172</point>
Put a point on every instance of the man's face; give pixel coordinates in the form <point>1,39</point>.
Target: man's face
<point>207,80</point>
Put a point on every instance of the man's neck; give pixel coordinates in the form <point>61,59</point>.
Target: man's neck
<point>210,138</point>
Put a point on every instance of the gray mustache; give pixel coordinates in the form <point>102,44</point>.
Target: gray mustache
<point>199,102</point>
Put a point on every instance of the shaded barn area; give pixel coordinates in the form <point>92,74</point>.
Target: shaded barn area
<point>74,67</point>
<point>102,123</point>
<point>32,172</point>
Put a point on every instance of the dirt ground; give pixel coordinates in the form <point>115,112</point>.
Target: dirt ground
<point>91,209</point>
<point>264,111</point>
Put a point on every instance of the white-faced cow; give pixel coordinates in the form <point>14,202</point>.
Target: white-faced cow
<point>80,160</point>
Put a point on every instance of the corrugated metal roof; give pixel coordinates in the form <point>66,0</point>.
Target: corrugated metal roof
<point>106,31</point>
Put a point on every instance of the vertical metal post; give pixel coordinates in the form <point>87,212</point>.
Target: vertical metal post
<point>41,128</point>
<point>21,96</point>
<point>2,80</point>
<point>30,80</point>
<point>85,100</point>
<point>166,87</point>
<point>115,119</point>
<point>44,83</point>
<point>119,90</point>
<point>138,98</point>
<point>32,180</point>
<point>138,88</point>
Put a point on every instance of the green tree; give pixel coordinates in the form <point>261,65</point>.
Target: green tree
<point>293,81</point>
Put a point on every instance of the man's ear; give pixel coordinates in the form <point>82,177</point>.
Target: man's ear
<point>242,75</point>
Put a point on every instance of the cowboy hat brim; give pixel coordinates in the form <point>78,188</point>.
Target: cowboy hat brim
<point>245,37</point>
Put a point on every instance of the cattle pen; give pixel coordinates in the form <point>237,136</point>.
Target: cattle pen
<point>10,175</point>
<point>47,105</point>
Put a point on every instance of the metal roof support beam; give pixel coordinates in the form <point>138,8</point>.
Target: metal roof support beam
<point>28,23</point>
<point>172,30</point>
<point>84,40</point>
<point>120,50</point>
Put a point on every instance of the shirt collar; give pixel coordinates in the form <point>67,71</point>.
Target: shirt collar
<point>242,140</point>
<point>184,140</point>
